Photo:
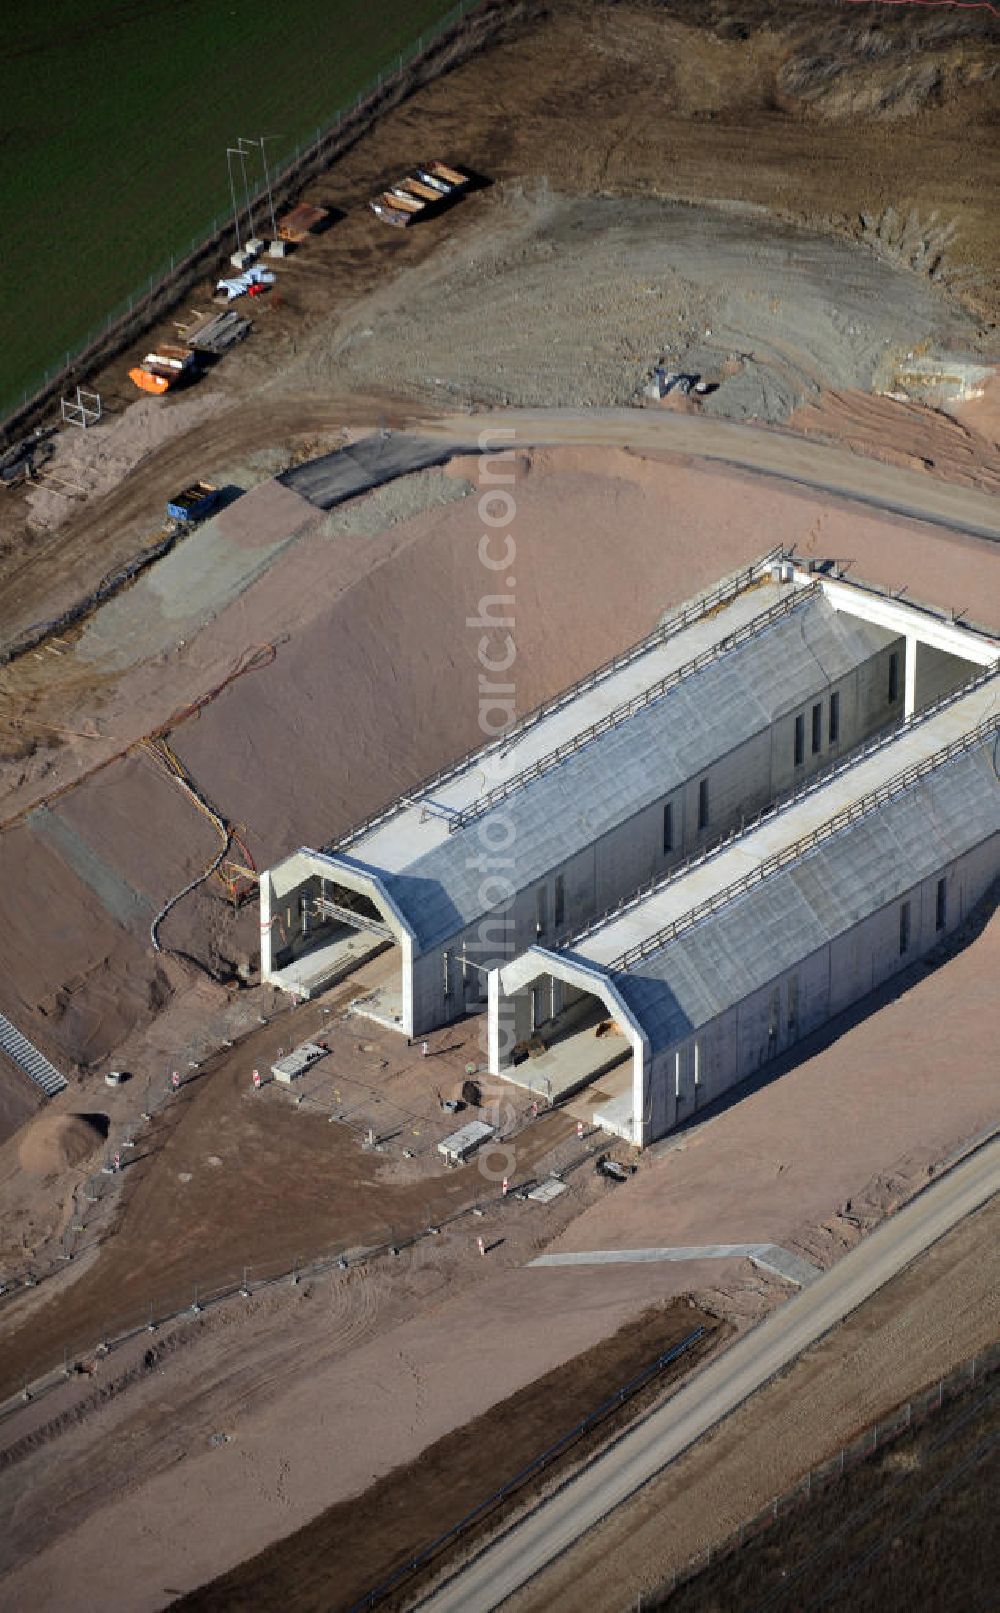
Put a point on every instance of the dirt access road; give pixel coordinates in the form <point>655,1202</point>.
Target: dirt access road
<point>819,466</point>
<point>943,1309</point>
<point>816,118</point>
<point>642,1454</point>
<point>222,1179</point>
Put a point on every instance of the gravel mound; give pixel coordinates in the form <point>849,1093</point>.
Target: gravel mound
<point>564,301</point>
<point>397,501</point>
<point>55,1142</point>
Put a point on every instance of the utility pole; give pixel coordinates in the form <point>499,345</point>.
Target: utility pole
<point>262,142</point>
<point>246,190</point>
<point>244,140</point>
<point>232,151</point>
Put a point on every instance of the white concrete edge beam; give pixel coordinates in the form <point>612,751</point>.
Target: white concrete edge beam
<point>909,622</point>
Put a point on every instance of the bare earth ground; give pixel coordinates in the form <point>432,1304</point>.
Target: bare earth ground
<point>917,1514</point>
<point>573,108</point>
<point>337,666</point>
<point>356,674</point>
<point>224,1179</point>
<point>776,1166</point>
<point>405,1511</point>
<point>939,1312</point>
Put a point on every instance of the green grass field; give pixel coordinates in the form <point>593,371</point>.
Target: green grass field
<point>115,116</point>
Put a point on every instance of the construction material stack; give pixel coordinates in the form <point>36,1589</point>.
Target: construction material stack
<point>161,370</point>
<point>301,221</point>
<point>218,333</point>
<point>406,199</point>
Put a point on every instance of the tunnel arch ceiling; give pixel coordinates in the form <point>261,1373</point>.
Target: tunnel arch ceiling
<point>576,1054</point>
<point>322,916</point>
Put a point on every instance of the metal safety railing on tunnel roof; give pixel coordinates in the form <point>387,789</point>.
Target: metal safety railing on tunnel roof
<point>721,594</point>
<point>324,908</point>
<point>781,803</point>
<point>631,708</point>
<point>849,815</point>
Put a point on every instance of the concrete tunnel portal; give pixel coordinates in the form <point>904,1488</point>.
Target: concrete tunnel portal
<point>556,1029</point>
<point>320,921</point>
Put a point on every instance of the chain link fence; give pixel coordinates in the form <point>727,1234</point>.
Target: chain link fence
<point>163,283</point>
<point>911,1414</point>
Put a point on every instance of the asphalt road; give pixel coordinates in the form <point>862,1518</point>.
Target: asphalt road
<point>804,461</point>
<point>725,1383</point>
<point>363,465</point>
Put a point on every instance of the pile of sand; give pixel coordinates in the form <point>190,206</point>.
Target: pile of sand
<point>55,1142</point>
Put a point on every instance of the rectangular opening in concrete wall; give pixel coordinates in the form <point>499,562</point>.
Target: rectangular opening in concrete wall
<point>904,929</point>
<point>941,904</point>
<point>937,673</point>
<point>322,930</point>
<point>562,1039</point>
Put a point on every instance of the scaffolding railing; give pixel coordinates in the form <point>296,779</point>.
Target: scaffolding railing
<point>721,594</point>
<point>781,803</point>
<point>780,860</point>
<point>335,912</point>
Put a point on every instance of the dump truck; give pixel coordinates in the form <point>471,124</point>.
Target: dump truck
<point>194,503</point>
<point>161,370</point>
